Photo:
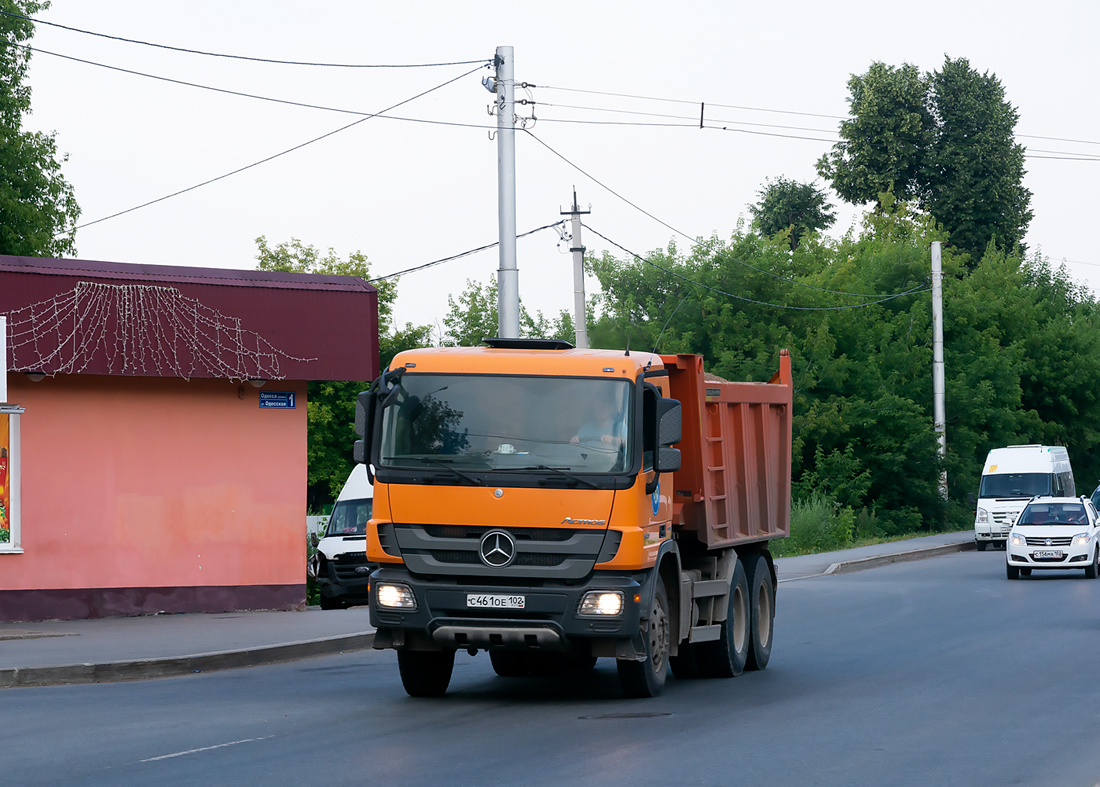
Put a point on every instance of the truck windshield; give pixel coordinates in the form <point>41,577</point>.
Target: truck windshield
<point>349,518</point>
<point>469,423</point>
<point>1015,485</point>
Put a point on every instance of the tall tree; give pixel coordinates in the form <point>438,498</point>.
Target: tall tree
<point>786,204</point>
<point>975,168</point>
<point>38,210</point>
<point>945,140</point>
<point>885,142</point>
<point>330,412</point>
<point>473,317</point>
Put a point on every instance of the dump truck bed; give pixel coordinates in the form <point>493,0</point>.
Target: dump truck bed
<point>734,482</point>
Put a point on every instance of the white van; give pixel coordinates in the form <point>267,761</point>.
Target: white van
<point>1010,478</point>
<point>340,563</point>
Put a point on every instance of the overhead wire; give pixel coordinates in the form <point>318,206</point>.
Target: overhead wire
<point>694,241</point>
<point>276,155</point>
<point>238,57</point>
<point>460,256</point>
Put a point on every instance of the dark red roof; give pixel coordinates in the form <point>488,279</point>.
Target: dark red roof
<point>85,317</point>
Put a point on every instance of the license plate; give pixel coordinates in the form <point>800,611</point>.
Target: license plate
<point>1047,553</point>
<point>494,601</point>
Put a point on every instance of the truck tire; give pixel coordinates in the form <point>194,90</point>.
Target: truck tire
<point>425,673</point>
<point>684,664</point>
<point>761,611</point>
<point>331,603</point>
<point>726,657</point>
<point>646,678</point>
<point>981,545</point>
<point>509,663</point>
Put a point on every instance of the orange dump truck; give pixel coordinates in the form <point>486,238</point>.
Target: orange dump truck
<point>529,502</point>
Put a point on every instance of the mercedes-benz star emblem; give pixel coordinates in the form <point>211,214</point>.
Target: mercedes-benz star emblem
<point>497,549</point>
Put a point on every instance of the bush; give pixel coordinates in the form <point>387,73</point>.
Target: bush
<point>819,524</point>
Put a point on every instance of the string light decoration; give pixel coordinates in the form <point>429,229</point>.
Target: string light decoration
<point>137,329</point>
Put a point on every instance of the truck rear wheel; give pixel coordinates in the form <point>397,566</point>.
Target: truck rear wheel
<point>425,673</point>
<point>726,657</point>
<point>761,611</point>
<point>647,678</point>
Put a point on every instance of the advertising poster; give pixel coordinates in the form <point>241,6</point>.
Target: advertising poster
<point>5,495</point>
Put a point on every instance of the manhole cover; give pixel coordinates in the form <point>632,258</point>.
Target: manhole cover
<point>603,716</point>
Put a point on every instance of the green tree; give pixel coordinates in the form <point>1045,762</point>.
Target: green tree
<point>975,168</point>
<point>885,142</point>
<point>801,208</point>
<point>473,317</point>
<point>944,140</point>
<point>330,411</point>
<point>38,210</point>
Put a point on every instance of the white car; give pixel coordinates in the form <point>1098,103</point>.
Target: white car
<point>1055,533</point>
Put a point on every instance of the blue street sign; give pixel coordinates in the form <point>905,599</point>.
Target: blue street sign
<point>278,400</point>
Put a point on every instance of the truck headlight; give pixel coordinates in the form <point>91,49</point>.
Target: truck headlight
<point>983,516</point>
<point>393,596</point>
<point>1081,540</point>
<point>1017,540</point>
<point>601,603</point>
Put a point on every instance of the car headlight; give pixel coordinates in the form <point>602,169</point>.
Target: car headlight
<point>602,603</point>
<point>393,596</point>
<point>1017,540</point>
<point>983,516</point>
<point>1081,540</point>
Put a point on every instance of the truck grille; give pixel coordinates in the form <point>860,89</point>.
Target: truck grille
<point>541,552</point>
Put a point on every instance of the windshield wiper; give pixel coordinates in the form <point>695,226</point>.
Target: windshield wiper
<point>576,479</point>
<point>440,463</point>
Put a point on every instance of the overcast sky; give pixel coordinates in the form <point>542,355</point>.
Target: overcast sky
<point>406,193</point>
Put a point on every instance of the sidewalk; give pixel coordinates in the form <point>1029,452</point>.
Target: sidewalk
<point>114,649</point>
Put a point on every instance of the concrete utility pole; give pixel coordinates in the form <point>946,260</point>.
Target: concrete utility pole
<point>508,273</point>
<point>577,248</point>
<point>939,417</point>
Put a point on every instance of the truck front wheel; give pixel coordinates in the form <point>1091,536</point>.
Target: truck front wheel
<point>647,678</point>
<point>425,673</point>
<point>726,657</point>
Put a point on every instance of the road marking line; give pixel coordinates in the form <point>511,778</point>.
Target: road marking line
<point>204,748</point>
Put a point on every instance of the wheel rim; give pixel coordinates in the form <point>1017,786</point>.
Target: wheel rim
<point>764,615</point>
<point>740,629</point>
<point>658,636</point>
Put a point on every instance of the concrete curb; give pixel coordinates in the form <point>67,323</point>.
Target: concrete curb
<point>115,671</point>
<point>851,566</point>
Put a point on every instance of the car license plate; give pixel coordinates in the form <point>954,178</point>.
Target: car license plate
<point>1047,554</point>
<point>494,601</point>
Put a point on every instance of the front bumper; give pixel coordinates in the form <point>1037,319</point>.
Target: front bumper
<point>548,621</point>
<point>1072,557</point>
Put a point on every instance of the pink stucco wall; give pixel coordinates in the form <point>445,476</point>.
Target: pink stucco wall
<point>157,482</point>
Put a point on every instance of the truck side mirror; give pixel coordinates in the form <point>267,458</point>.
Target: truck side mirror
<point>970,498</point>
<point>314,540</point>
<point>667,460</point>
<point>669,422</point>
<point>364,425</point>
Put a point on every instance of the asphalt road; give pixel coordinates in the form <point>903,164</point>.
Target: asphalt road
<point>938,672</point>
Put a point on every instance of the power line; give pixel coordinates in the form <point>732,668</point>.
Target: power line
<point>690,239</point>
<point>275,156</point>
<point>913,291</point>
<point>240,57</point>
<point>459,256</point>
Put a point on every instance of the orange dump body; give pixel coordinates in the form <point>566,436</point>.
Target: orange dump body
<point>734,482</point>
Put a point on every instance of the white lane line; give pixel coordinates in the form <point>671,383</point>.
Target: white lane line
<point>204,748</point>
